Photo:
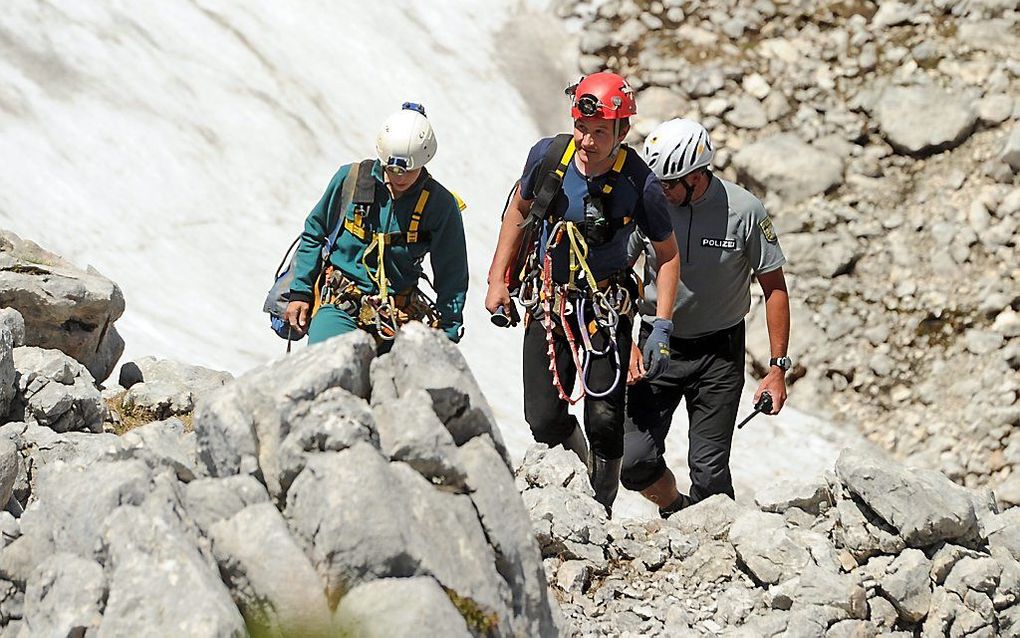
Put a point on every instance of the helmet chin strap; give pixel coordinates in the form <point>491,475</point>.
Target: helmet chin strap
<point>688,192</point>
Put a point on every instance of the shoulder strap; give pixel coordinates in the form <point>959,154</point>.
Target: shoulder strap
<point>359,187</point>
<point>550,176</point>
<point>364,195</point>
<point>419,209</point>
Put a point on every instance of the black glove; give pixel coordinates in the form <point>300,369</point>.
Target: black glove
<point>656,350</point>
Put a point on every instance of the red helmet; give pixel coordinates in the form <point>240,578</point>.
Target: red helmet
<point>605,95</point>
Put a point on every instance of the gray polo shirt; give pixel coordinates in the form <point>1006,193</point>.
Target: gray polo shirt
<point>723,237</point>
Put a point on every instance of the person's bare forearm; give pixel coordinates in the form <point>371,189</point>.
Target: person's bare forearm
<point>777,317</point>
<point>777,311</point>
<point>510,236</point>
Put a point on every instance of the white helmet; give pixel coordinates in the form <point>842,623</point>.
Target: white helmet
<point>678,147</point>
<point>406,141</point>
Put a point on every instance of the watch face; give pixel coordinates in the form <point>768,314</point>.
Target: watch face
<point>783,362</point>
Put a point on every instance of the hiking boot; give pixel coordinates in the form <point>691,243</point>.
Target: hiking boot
<point>681,502</point>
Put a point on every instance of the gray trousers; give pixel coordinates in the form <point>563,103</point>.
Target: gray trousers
<point>708,374</point>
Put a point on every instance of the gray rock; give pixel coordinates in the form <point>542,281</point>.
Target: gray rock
<point>56,391</point>
<point>209,501</point>
<point>424,359</point>
<point>949,119</point>
<point>11,319</point>
<point>40,446</point>
<point>785,165</point>
<point>573,576</point>
<point>508,529</point>
<point>400,607</point>
<point>410,431</point>
<point>946,558</point>
<point>807,495</point>
<point>165,387</point>
<point>241,426</point>
<point>710,518</point>
<point>158,578</point>
<point>852,629</point>
<point>774,553</point>
<point>979,574</point>
<point>657,104</point>
<point>72,502</point>
<point>923,505</point>
<point>65,597</point>
<point>64,308</point>
<point>10,529</point>
<point>271,580</point>
<point>164,444</point>
<point>352,535</point>
<point>892,13</point>
<point>567,523</point>
<point>334,421</point>
<point>822,587</point>
<point>908,586</point>
<point>546,467</point>
<point>450,544</point>
<point>747,113</point>
<point>10,468</point>
<point>1004,531</point>
<point>982,342</point>
<point>1011,150</point>
<point>995,109</point>
<point>8,374</point>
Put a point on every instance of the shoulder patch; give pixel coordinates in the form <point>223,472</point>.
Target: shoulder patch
<point>767,229</point>
<point>461,204</point>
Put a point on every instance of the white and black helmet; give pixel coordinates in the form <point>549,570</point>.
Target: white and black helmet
<point>406,140</point>
<point>678,147</point>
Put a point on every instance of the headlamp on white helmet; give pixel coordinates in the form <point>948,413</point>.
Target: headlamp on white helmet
<point>677,148</point>
<point>406,141</point>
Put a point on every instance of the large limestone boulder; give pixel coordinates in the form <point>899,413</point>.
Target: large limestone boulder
<point>789,167</point>
<point>923,505</point>
<point>56,391</point>
<point>948,118</point>
<point>64,308</point>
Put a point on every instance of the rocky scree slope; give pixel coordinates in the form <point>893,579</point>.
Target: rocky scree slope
<point>885,139</point>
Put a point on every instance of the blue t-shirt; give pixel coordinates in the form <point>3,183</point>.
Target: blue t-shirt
<point>636,194</point>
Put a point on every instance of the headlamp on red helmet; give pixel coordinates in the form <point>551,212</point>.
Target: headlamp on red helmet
<point>604,95</point>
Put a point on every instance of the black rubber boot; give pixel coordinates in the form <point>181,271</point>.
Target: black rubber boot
<point>577,444</point>
<point>605,480</point>
<point>681,502</point>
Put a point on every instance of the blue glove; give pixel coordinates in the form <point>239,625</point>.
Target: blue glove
<point>656,350</point>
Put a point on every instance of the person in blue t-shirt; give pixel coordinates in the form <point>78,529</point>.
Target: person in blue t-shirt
<point>562,251</point>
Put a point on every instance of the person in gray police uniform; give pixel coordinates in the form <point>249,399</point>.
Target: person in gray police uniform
<point>725,236</point>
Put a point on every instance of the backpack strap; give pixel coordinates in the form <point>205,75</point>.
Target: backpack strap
<point>359,187</point>
<point>364,195</point>
<point>419,208</point>
<point>550,177</point>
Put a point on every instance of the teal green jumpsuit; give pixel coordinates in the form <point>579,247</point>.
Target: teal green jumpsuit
<point>440,235</point>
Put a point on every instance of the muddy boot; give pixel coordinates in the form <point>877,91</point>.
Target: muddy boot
<point>605,480</point>
<point>577,444</point>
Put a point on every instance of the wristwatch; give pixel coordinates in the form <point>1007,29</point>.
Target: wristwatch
<point>784,363</point>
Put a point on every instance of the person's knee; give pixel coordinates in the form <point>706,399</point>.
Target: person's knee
<point>551,428</point>
<point>639,473</point>
<point>605,429</point>
<point>329,322</point>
